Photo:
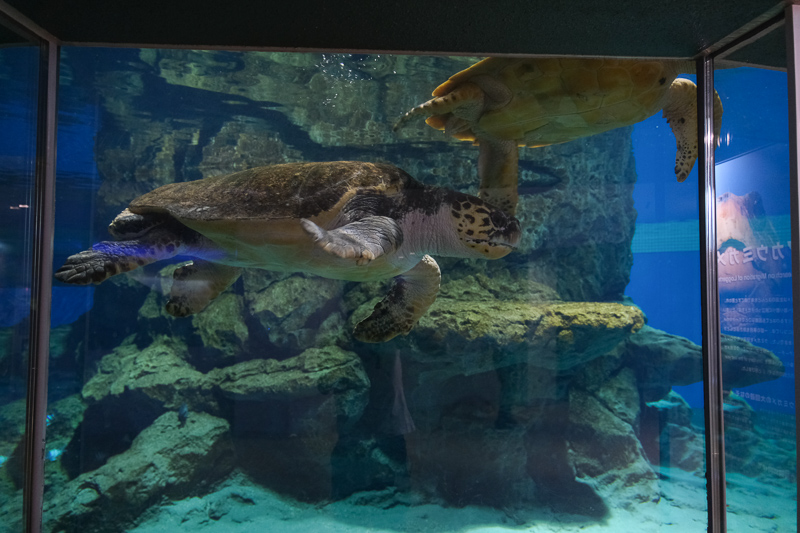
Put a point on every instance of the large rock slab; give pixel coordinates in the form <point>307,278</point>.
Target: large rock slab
<point>662,360</point>
<point>168,459</point>
<point>315,372</point>
<point>470,337</point>
<point>159,372</point>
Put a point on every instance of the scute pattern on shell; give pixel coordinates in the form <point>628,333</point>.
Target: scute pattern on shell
<point>291,190</point>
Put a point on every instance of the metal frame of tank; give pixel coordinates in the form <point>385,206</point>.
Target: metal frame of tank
<point>44,209</point>
<point>42,263</point>
<point>793,67</point>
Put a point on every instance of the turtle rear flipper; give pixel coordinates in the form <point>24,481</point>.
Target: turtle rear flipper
<point>681,114</point>
<point>363,240</point>
<point>410,297</point>
<point>109,258</point>
<point>196,284</point>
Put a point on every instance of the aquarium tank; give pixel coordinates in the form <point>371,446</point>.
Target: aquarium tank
<point>552,383</point>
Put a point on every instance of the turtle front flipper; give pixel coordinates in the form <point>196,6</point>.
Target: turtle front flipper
<point>196,284</point>
<point>498,163</point>
<point>109,258</point>
<point>680,111</point>
<point>466,100</point>
<point>409,298</point>
<point>363,240</point>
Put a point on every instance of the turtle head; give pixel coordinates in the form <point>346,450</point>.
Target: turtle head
<point>483,229</point>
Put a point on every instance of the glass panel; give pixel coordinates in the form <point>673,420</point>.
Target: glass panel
<point>18,101</point>
<point>754,238</point>
<point>531,393</point>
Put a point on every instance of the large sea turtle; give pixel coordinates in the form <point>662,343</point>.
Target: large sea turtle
<point>502,103</point>
<point>342,220</point>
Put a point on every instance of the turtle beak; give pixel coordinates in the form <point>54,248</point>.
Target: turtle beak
<point>509,237</point>
<point>502,242</point>
<point>507,229</point>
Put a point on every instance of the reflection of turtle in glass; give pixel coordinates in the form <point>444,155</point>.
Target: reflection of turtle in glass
<point>502,103</point>
<point>342,220</point>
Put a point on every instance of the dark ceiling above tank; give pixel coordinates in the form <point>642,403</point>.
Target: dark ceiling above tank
<point>668,28</point>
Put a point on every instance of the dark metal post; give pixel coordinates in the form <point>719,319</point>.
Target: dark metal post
<point>44,211</point>
<point>792,59</point>
<point>712,354</point>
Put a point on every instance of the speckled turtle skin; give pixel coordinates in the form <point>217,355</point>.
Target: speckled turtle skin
<point>345,220</point>
<point>503,103</point>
